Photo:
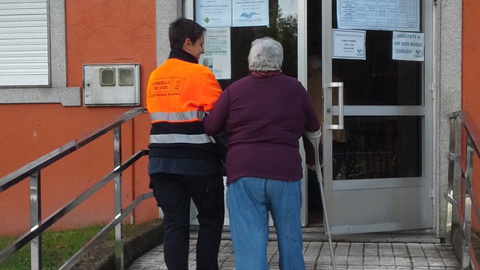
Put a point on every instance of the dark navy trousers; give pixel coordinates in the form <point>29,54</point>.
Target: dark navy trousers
<point>173,193</point>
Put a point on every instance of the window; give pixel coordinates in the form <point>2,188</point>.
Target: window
<point>33,53</point>
<point>24,43</point>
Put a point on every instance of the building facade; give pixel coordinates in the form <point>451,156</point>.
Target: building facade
<point>384,140</point>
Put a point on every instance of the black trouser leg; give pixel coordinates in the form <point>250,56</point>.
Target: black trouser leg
<point>173,194</point>
<point>172,197</point>
<point>211,208</point>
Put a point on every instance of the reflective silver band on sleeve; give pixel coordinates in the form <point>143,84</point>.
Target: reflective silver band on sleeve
<point>177,116</point>
<point>180,138</point>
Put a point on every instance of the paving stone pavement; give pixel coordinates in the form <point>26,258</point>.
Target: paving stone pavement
<point>348,255</point>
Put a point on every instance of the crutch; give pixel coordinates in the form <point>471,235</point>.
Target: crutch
<point>314,138</point>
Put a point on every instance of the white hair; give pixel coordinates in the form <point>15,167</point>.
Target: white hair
<point>266,54</point>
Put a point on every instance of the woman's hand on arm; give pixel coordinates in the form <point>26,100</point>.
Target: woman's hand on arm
<point>214,121</point>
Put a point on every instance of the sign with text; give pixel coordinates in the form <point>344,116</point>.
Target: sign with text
<point>349,44</point>
<point>250,13</point>
<point>391,15</point>
<point>217,52</point>
<point>214,13</point>
<point>232,13</point>
<point>408,46</point>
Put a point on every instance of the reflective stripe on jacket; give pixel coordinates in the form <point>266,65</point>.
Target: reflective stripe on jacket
<point>178,95</point>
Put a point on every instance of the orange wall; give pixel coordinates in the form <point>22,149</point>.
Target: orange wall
<point>471,75</point>
<point>97,31</point>
<point>471,58</point>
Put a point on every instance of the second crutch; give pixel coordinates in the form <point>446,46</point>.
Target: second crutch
<point>314,138</point>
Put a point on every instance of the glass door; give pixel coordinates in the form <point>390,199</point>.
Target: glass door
<point>377,115</point>
<point>283,20</point>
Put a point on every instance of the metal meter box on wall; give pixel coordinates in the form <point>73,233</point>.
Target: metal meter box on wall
<point>111,84</point>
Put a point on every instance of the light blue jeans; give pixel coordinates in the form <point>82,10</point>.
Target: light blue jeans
<point>249,200</point>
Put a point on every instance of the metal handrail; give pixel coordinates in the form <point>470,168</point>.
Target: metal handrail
<point>459,195</point>
<point>38,226</point>
<point>20,174</point>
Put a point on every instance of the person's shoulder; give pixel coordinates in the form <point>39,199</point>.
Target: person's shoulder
<point>203,68</point>
<point>166,64</point>
<point>191,65</point>
<point>198,69</point>
<point>288,78</point>
<point>240,83</point>
<point>186,64</point>
<point>291,81</point>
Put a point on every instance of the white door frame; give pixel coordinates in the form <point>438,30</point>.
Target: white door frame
<point>424,183</point>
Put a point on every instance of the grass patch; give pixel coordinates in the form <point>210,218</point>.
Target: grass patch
<point>57,247</point>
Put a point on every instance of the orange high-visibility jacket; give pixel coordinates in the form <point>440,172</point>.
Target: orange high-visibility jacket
<point>178,95</point>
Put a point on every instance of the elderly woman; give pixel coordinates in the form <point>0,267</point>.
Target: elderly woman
<point>264,114</point>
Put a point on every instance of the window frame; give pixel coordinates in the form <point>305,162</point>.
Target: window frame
<point>57,91</point>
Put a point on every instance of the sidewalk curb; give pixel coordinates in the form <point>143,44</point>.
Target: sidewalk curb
<point>147,236</point>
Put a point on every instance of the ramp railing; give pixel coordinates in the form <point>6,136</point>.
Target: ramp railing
<point>462,185</point>
<point>39,225</point>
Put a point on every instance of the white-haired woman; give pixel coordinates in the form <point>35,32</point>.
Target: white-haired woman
<point>264,114</point>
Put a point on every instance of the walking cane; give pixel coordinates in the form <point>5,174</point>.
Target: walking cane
<point>314,138</point>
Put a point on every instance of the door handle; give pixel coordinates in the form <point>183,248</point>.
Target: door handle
<point>338,85</point>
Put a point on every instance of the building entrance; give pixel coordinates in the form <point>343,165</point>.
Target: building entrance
<point>376,113</point>
<point>373,98</point>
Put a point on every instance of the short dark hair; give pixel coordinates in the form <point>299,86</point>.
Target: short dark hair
<point>182,29</point>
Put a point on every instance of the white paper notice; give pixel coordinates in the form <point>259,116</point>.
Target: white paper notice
<point>250,13</point>
<point>349,44</point>
<point>390,15</point>
<point>408,46</point>
<point>214,13</point>
<point>217,52</point>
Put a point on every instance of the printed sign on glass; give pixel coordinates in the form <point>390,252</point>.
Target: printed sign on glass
<point>408,46</point>
<point>389,15</point>
<point>250,13</point>
<point>217,52</point>
<point>349,44</point>
<point>214,13</point>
